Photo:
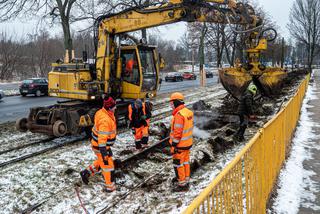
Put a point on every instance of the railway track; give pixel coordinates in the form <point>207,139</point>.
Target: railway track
<point>26,145</point>
<point>126,162</point>
<point>38,152</point>
<point>157,117</point>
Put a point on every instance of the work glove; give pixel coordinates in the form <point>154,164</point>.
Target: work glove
<point>130,124</point>
<point>105,153</point>
<point>252,117</point>
<point>144,122</point>
<point>173,150</point>
<point>143,117</point>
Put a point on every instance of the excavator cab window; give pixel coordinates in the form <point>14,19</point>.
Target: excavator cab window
<point>130,68</point>
<point>148,67</point>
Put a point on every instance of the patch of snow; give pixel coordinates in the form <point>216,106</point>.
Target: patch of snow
<point>11,92</point>
<point>294,178</point>
<point>3,82</point>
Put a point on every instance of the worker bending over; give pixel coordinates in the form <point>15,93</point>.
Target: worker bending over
<point>139,116</point>
<point>181,140</point>
<point>245,110</point>
<point>103,137</point>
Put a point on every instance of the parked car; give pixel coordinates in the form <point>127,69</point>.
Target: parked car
<point>209,74</point>
<point>226,65</point>
<point>1,94</point>
<point>174,76</point>
<point>189,76</point>
<point>36,86</point>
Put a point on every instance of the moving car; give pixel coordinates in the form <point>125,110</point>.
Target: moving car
<point>36,86</point>
<point>209,74</point>
<point>174,76</point>
<point>189,76</point>
<point>1,94</point>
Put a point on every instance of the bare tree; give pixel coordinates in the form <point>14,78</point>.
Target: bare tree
<point>64,12</point>
<point>304,25</point>
<point>10,56</point>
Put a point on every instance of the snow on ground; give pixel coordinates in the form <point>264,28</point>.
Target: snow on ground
<point>11,92</point>
<point>51,178</point>
<point>29,182</point>
<point>294,178</point>
<point>10,138</point>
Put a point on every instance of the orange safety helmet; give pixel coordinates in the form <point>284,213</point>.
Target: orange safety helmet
<point>176,96</point>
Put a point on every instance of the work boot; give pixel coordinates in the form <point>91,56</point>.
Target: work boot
<point>178,188</point>
<point>85,174</point>
<point>109,190</point>
<point>174,180</point>
<point>238,138</point>
<point>138,145</point>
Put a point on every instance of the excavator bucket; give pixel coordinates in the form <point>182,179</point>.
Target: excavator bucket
<point>271,80</point>
<point>236,80</point>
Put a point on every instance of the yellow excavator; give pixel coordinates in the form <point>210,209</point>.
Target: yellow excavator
<point>127,72</point>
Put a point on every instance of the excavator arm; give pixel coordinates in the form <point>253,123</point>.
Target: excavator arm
<point>137,18</point>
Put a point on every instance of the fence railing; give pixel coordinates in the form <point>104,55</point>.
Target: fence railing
<point>244,185</point>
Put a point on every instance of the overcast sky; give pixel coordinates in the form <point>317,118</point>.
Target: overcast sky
<point>278,9</point>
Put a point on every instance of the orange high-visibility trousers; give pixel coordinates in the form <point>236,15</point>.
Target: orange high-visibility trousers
<point>107,170</point>
<point>181,164</point>
<point>141,135</point>
<point>141,132</point>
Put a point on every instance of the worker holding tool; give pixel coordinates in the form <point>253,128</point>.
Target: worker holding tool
<point>181,140</point>
<point>245,111</point>
<point>139,115</point>
<point>103,137</point>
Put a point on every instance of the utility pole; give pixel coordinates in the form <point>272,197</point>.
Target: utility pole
<point>282,52</point>
<point>201,56</point>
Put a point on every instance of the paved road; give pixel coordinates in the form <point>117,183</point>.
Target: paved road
<point>171,86</point>
<point>12,108</point>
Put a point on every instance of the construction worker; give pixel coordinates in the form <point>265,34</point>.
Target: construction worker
<point>139,116</point>
<point>181,140</point>
<point>129,66</point>
<point>103,137</point>
<point>245,110</point>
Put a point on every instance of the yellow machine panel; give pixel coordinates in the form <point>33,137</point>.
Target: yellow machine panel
<point>70,81</point>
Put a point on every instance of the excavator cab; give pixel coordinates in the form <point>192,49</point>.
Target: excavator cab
<point>139,68</point>
<point>140,71</point>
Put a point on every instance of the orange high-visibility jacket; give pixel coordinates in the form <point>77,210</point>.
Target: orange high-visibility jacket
<point>129,65</point>
<point>104,130</point>
<point>181,128</point>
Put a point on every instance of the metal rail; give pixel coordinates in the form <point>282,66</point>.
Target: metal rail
<point>24,157</point>
<point>26,145</point>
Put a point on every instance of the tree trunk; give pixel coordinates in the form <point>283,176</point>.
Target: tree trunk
<point>67,38</point>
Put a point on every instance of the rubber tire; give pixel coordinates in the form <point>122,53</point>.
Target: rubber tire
<point>38,93</point>
<point>23,94</point>
<point>59,128</point>
<point>21,124</point>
